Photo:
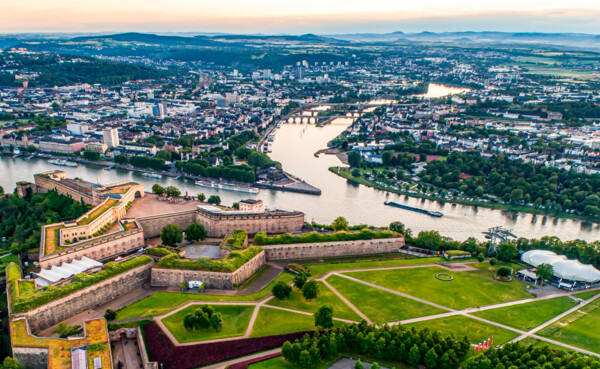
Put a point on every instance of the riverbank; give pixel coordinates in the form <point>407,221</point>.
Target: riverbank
<point>345,173</point>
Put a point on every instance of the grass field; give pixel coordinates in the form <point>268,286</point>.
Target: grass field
<point>274,321</point>
<point>586,295</point>
<point>163,302</point>
<point>580,329</point>
<point>326,297</point>
<point>320,269</point>
<point>380,306</point>
<point>461,326</point>
<point>528,316</point>
<point>235,323</point>
<point>537,343</point>
<point>255,277</point>
<point>468,289</point>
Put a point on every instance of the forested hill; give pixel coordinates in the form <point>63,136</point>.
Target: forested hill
<point>47,70</point>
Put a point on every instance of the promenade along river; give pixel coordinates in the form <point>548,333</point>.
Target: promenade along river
<point>294,146</point>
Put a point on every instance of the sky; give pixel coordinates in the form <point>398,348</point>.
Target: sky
<point>299,16</point>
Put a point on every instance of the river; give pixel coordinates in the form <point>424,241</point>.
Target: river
<point>294,146</point>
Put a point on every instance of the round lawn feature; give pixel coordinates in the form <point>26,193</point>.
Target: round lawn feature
<point>503,279</point>
<point>444,277</point>
<point>235,322</point>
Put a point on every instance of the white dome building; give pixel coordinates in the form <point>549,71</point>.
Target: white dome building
<point>564,268</point>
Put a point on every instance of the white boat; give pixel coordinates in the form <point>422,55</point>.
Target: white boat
<point>64,163</point>
<point>226,186</point>
<point>152,175</point>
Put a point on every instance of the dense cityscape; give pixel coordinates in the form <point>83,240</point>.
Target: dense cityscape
<point>155,211</point>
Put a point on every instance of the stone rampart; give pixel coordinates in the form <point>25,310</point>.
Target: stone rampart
<point>296,251</point>
<point>63,308</point>
<point>152,225</point>
<point>164,277</point>
<point>45,184</point>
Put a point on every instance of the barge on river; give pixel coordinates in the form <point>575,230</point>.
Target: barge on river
<point>417,210</point>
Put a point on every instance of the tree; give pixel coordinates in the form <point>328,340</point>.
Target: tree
<point>64,330</point>
<point>172,191</point>
<point>354,159</point>
<point>195,232</point>
<point>340,224</point>
<point>216,321</point>
<point>324,317</point>
<point>414,356</point>
<point>358,364</point>
<point>158,189</point>
<point>300,280</point>
<point>504,271</point>
<point>310,290</point>
<point>201,197</point>
<point>110,314</point>
<point>507,251</point>
<point>171,234</point>
<point>214,199</point>
<point>397,227</point>
<point>11,363</point>
<point>189,321</point>
<point>121,159</point>
<point>91,155</point>
<point>375,366</point>
<point>281,290</point>
<point>431,358</point>
<point>545,272</point>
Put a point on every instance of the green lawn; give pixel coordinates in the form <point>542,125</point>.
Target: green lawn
<point>380,306</point>
<point>255,277</point>
<point>586,295</point>
<point>326,297</point>
<point>462,326</point>
<point>468,289</point>
<point>163,302</point>
<point>272,321</point>
<point>580,329</point>
<point>537,343</point>
<point>235,323</point>
<point>320,269</point>
<point>528,316</point>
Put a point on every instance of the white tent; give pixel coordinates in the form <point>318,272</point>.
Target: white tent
<point>49,276</point>
<point>563,267</point>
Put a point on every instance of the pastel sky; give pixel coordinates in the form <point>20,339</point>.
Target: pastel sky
<point>298,16</point>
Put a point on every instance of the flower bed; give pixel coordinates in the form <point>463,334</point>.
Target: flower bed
<point>229,264</point>
<point>161,349</point>
<point>365,234</point>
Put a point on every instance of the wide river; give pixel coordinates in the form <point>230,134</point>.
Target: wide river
<point>294,146</point>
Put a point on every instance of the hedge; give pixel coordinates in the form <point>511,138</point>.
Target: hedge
<point>79,281</point>
<point>13,272</point>
<point>235,240</point>
<point>232,262</point>
<point>158,251</point>
<point>365,234</point>
<point>161,349</point>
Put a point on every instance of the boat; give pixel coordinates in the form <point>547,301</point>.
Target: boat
<point>226,186</point>
<point>417,210</point>
<point>64,163</point>
<point>152,175</point>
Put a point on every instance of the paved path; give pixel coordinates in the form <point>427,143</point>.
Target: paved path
<point>225,364</point>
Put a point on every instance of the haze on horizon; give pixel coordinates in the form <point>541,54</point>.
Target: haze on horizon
<point>308,16</point>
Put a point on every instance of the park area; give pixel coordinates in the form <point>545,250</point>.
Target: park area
<point>454,298</point>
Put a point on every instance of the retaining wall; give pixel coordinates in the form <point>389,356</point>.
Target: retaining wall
<point>298,251</point>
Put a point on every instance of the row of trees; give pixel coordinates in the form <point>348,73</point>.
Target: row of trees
<point>397,344</point>
<point>242,173</point>
<point>169,190</point>
<point>309,289</point>
<point>172,234</point>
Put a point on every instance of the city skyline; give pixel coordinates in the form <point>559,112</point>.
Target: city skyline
<point>268,16</point>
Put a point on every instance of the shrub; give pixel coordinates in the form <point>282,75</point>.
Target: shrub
<point>480,258</point>
<point>493,261</point>
<point>310,290</point>
<point>235,240</point>
<point>504,271</point>
<point>13,272</point>
<point>110,314</point>
<point>158,251</point>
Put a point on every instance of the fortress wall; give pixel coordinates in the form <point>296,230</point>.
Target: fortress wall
<point>47,184</point>
<point>61,309</point>
<point>31,357</point>
<point>221,225</point>
<point>164,277</point>
<point>333,249</point>
<point>99,249</point>
<point>152,225</point>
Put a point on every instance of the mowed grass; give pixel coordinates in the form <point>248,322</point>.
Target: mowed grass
<point>235,323</point>
<point>586,295</point>
<point>326,297</point>
<point>528,316</point>
<point>380,306</point>
<point>468,289</point>
<point>271,321</point>
<point>538,343</point>
<point>461,326</point>
<point>580,329</point>
<point>163,302</point>
<point>318,270</point>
